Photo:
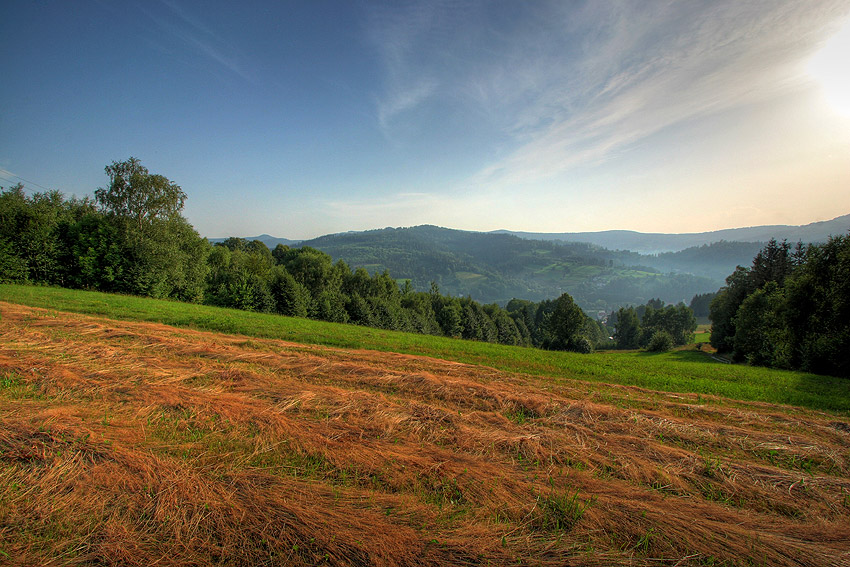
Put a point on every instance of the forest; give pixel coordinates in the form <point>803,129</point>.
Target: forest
<point>132,239</point>
<point>790,309</point>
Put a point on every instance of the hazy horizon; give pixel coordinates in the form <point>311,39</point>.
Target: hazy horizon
<point>307,119</point>
<point>296,238</point>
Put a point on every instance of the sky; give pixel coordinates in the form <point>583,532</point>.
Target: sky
<point>299,119</point>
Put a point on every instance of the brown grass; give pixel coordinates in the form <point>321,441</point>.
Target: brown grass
<point>140,444</point>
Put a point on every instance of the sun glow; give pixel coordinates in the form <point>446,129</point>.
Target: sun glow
<point>831,67</point>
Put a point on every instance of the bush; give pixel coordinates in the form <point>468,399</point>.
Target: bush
<point>581,345</point>
<point>661,341</point>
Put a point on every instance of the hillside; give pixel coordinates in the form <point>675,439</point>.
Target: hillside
<point>496,268</point>
<point>137,443</point>
<point>716,260</point>
<point>653,243</point>
<point>602,270</point>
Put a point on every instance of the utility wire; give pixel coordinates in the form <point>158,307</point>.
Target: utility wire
<point>5,175</point>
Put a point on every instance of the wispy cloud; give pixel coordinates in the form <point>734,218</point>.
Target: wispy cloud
<point>405,209</point>
<point>638,77</point>
<point>413,43</point>
<point>399,205</point>
<point>200,38</point>
<point>575,84</point>
<point>404,98</point>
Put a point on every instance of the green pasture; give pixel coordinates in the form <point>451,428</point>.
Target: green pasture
<point>677,371</point>
<point>703,337</point>
<point>468,277</point>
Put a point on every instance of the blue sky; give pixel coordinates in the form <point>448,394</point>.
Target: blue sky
<point>303,118</point>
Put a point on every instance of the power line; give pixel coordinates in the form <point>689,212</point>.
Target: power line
<point>9,179</point>
<point>5,174</point>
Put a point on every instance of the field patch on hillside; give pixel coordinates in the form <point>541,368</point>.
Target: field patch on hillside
<point>139,443</point>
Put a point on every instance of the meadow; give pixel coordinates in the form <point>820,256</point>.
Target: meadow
<point>128,442</point>
<point>688,370</point>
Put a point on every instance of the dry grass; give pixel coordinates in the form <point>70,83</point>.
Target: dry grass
<point>140,444</point>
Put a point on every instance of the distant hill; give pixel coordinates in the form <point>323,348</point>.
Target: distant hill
<point>715,261</point>
<point>654,243</point>
<point>269,241</point>
<point>601,270</point>
<point>497,267</point>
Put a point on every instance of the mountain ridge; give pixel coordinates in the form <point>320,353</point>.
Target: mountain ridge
<point>633,240</point>
<point>658,242</point>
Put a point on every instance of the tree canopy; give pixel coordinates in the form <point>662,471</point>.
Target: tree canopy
<point>137,194</point>
<point>790,309</point>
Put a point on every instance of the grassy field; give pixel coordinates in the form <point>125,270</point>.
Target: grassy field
<point>685,371</point>
<point>130,442</point>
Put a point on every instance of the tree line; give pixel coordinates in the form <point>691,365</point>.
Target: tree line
<point>790,309</point>
<point>654,326</point>
<point>129,239</point>
<point>132,238</point>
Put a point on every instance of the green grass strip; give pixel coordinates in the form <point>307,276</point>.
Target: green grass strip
<point>677,371</point>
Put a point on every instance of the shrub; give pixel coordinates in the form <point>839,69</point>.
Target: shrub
<point>660,341</point>
<point>581,345</point>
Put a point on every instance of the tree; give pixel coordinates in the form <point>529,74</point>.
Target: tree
<point>449,317</point>
<point>31,225</point>
<point>358,283</point>
<point>680,323</point>
<point>12,268</point>
<point>259,259</point>
<point>508,332</point>
<point>167,257</point>
<point>420,309</point>
<point>627,328</point>
<point>790,310</point>
<point>313,269</point>
<point>565,324</point>
<point>477,326</point>
<point>94,254</point>
<point>725,305</point>
<point>329,305</point>
<point>280,252</point>
<point>359,311</point>
<point>291,298</point>
<point>773,263</point>
<point>760,337</point>
<point>701,303</point>
<point>134,193</point>
<point>817,313</point>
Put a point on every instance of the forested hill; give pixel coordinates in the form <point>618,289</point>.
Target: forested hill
<point>715,261</point>
<point>497,267</point>
<point>269,241</point>
<point>659,242</point>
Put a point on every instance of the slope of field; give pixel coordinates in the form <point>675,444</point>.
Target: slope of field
<point>137,444</point>
<point>689,370</point>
